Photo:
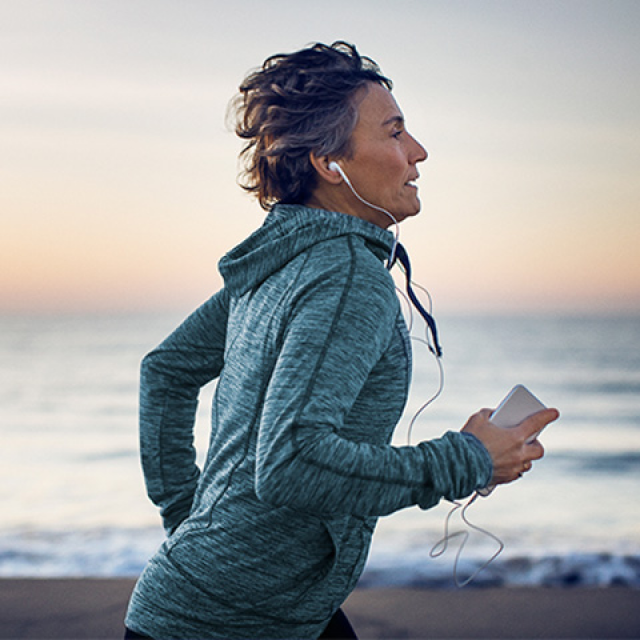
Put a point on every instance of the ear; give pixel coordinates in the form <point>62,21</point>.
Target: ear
<point>321,165</point>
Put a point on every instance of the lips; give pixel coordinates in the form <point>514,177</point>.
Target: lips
<point>412,182</point>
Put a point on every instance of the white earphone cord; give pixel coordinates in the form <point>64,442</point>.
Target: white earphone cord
<point>335,166</point>
<point>427,342</point>
<point>444,541</point>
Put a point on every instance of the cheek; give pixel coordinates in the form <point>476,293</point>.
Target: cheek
<point>389,174</point>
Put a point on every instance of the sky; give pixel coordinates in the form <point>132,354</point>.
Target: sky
<point>118,172</point>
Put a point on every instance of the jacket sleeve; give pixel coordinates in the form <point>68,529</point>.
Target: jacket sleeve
<point>170,380</point>
<point>340,329</point>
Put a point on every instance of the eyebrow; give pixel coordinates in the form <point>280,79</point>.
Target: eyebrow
<point>394,120</point>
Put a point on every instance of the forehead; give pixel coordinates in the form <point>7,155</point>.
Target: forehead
<point>378,108</point>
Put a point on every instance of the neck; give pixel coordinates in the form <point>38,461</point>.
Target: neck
<point>343,200</point>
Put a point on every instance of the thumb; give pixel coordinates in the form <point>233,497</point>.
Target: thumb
<point>534,424</point>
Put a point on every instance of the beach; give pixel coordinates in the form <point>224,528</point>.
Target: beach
<point>571,562</point>
<point>86,608</point>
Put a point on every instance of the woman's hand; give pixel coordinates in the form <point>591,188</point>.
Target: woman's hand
<point>512,450</point>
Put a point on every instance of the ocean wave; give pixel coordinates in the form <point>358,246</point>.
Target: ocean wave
<point>570,570</point>
<point>124,553</point>
<point>95,553</point>
<point>616,463</point>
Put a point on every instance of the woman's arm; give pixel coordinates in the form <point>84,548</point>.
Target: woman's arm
<point>170,380</point>
<point>341,327</point>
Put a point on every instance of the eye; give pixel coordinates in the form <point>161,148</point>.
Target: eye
<point>397,134</point>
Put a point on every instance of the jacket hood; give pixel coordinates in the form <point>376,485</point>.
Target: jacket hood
<point>287,231</point>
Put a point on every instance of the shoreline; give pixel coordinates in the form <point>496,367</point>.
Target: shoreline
<point>86,608</point>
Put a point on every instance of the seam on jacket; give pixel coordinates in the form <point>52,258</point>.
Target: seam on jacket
<point>253,426</point>
<point>230,604</point>
<point>336,317</point>
<point>297,449</point>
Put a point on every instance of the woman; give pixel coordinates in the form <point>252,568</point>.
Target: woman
<point>312,358</point>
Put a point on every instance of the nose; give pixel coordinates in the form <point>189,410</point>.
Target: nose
<point>418,152</point>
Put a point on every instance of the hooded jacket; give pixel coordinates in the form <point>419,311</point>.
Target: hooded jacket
<point>313,364</point>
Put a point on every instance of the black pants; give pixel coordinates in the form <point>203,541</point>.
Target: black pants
<point>339,628</point>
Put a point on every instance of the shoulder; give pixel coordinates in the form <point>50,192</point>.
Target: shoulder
<point>346,270</point>
<point>351,258</point>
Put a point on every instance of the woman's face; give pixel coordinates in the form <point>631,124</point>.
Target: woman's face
<point>382,164</point>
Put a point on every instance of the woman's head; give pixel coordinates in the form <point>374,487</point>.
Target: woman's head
<point>294,105</point>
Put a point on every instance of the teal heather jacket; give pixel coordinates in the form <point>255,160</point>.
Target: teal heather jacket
<point>313,363</point>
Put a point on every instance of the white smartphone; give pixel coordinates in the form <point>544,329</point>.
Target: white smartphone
<point>517,405</point>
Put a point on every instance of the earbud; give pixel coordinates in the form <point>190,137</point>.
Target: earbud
<point>334,166</point>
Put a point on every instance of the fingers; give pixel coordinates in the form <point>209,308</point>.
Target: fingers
<point>532,426</point>
<point>512,450</point>
<point>525,466</point>
<point>534,450</point>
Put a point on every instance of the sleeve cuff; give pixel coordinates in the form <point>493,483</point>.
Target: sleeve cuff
<point>477,443</point>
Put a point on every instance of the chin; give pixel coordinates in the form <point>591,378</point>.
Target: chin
<point>409,213</point>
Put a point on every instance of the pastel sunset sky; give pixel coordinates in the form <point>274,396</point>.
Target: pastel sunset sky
<point>118,172</point>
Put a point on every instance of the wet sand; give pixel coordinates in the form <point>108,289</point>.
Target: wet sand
<point>94,608</point>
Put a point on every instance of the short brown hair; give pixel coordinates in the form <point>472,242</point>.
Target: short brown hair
<point>293,105</point>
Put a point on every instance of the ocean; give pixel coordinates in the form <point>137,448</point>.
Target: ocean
<point>73,499</point>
